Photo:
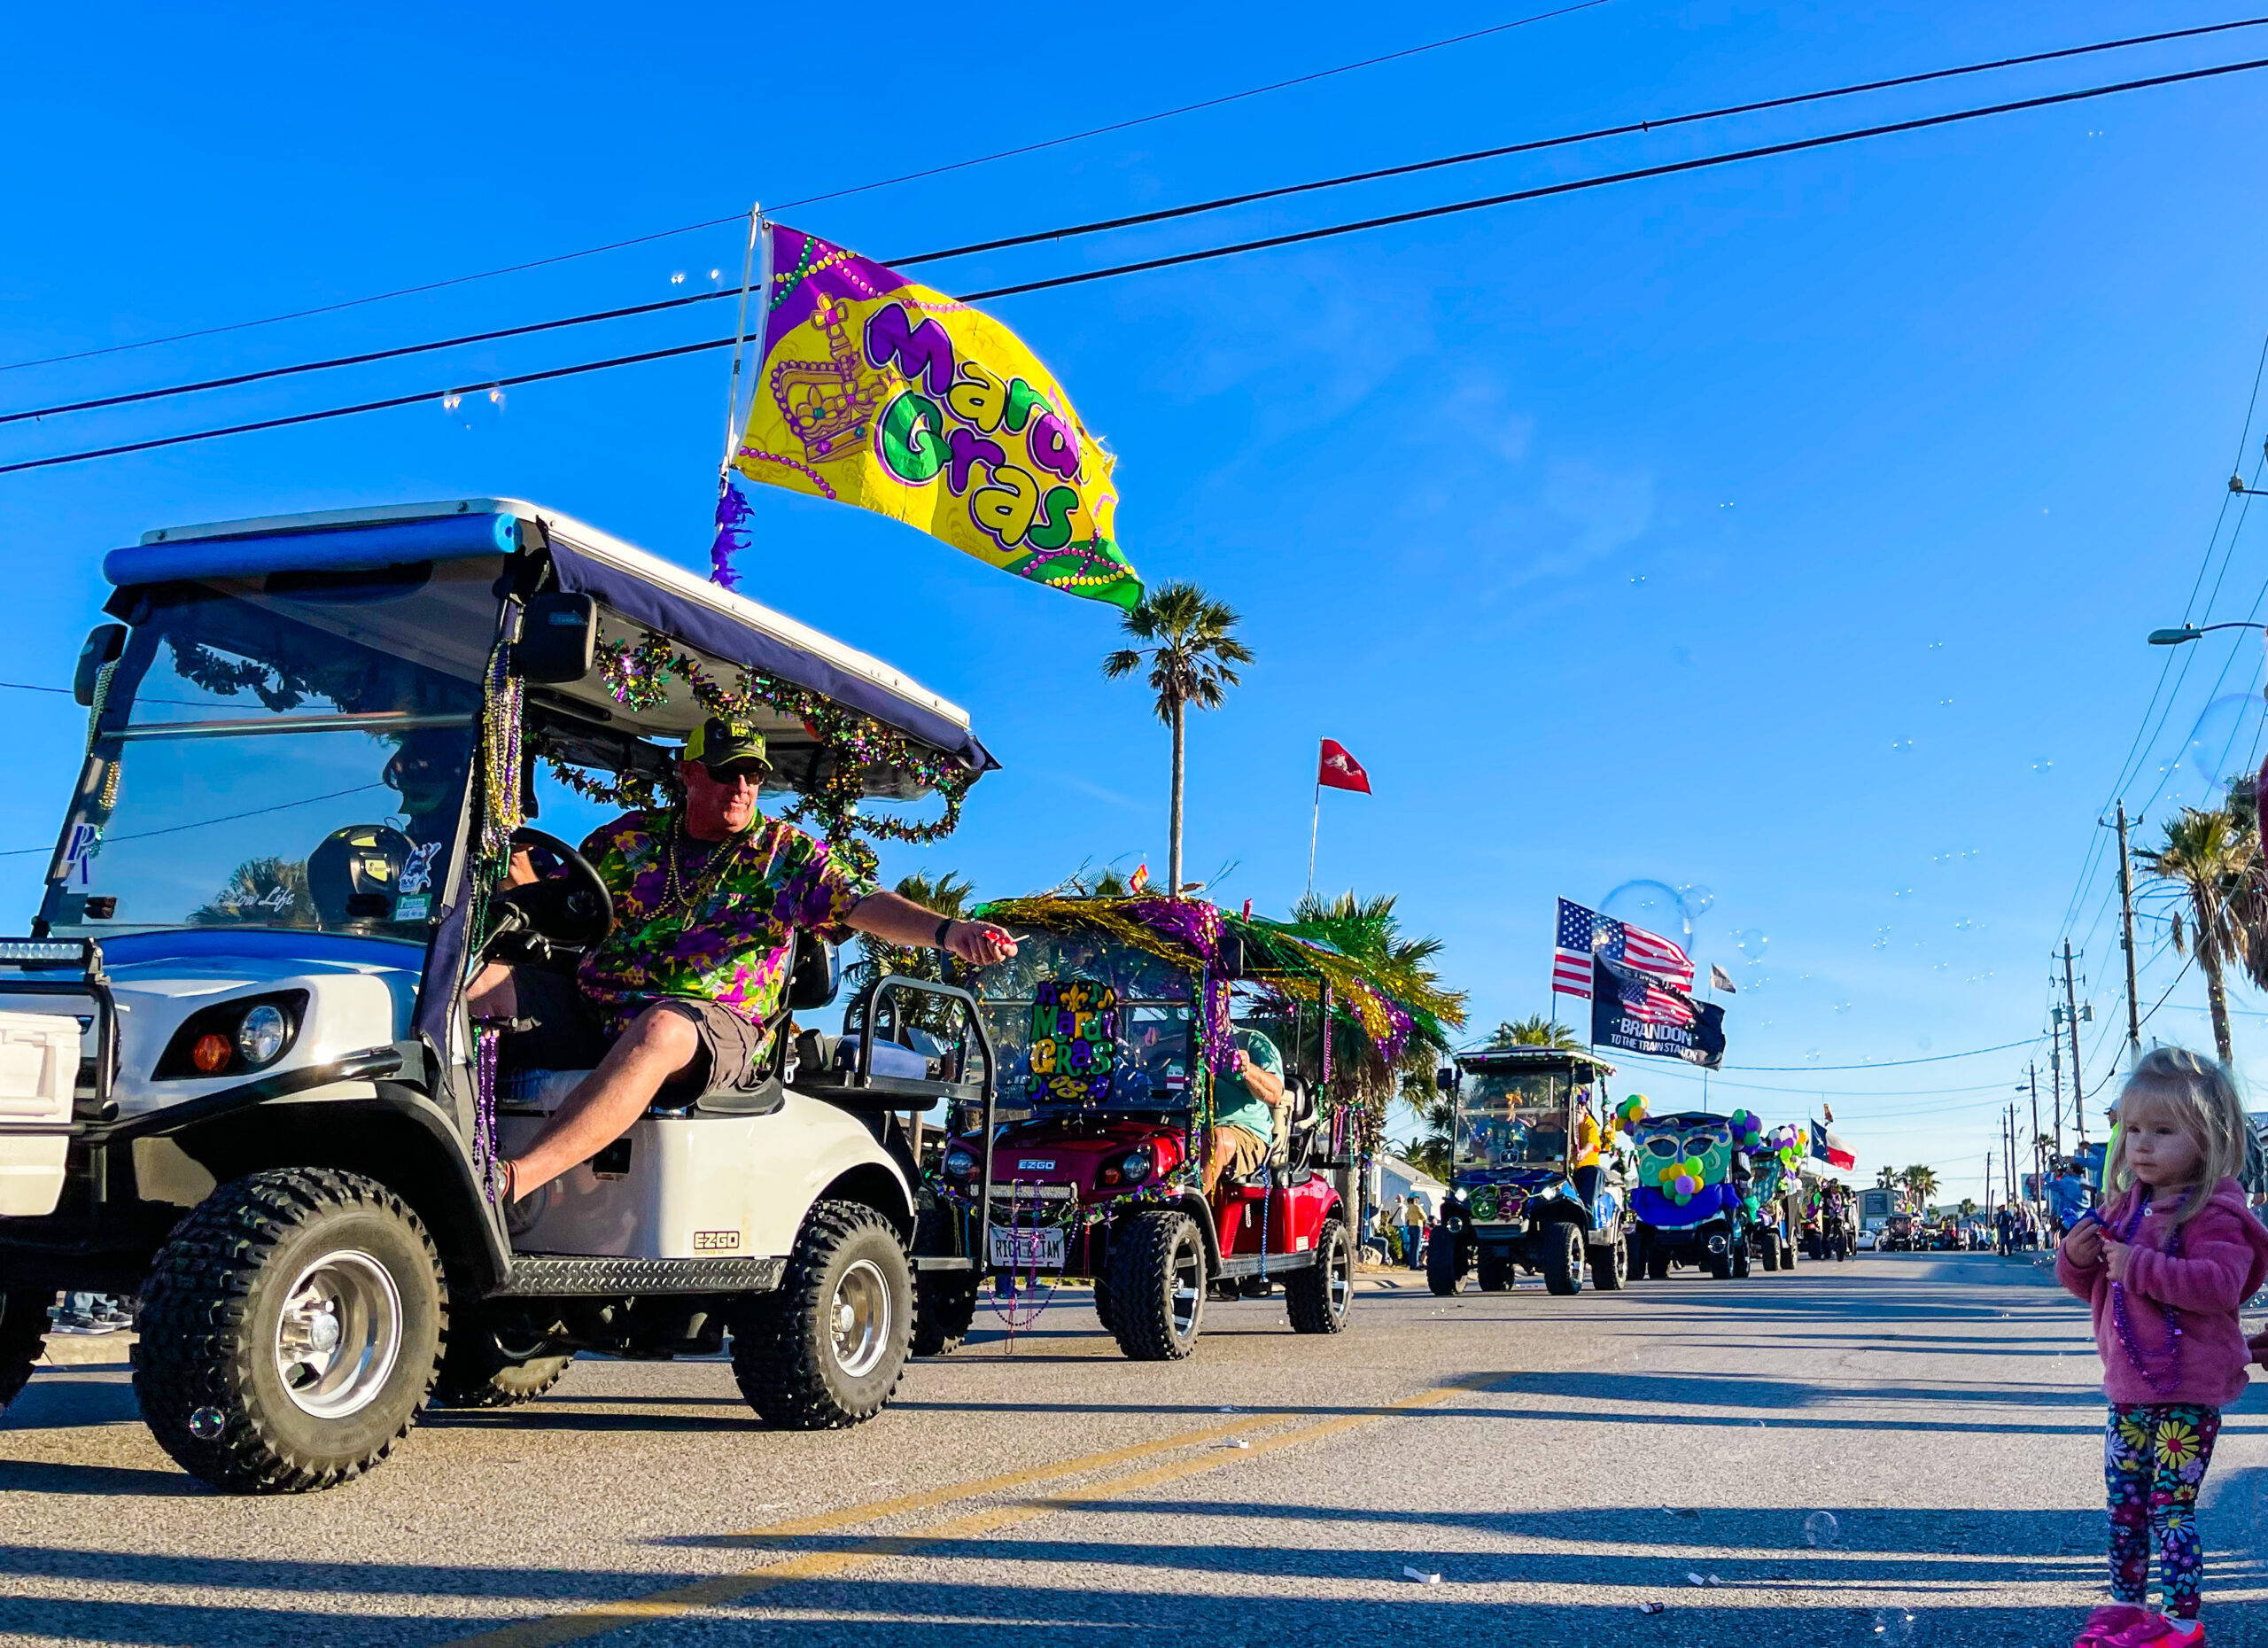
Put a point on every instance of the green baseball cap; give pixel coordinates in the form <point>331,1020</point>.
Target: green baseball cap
<point>718,743</point>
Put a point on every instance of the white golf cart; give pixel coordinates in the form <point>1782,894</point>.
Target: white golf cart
<point>236,1073</point>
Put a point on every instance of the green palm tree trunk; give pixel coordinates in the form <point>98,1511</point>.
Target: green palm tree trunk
<point>2217,997</point>
<point>1173,812</point>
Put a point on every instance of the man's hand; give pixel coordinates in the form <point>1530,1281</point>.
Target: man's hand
<point>979,944</point>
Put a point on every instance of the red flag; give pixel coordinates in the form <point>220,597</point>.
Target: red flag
<point>1338,770</point>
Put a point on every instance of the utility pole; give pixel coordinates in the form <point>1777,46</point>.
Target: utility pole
<point>1988,1184</point>
<point>2039,1173</point>
<point>2071,1015</point>
<point>2126,942</point>
<point>2056,1088</point>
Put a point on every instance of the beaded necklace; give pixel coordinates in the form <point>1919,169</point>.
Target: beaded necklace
<point>674,891</point>
<point>2171,1349</point>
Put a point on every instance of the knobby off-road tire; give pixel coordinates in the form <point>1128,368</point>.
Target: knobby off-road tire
<point>1563,1257</point>
<point>826,1351</point>
<point>1441,1271</point>
<point>1157,1286</point>
<point>1610,1265</point>
<point>945,1304</point>
<point>23,1325</point>
<point>291,1331</point>
<point>487,1366</point>
<point>1103,1305</point>
<point>1318,1298</point>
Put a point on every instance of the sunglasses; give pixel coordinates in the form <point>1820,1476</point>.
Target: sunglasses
<point>733,772</point>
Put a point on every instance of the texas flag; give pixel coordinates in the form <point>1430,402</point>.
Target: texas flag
<point>1825,1147</point>
<point>1338,770</point>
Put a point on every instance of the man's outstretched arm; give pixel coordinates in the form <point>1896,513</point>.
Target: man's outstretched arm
<point>899,921</point>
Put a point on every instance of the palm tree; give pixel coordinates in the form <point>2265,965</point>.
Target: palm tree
<point>1192,646</point>
<point>1536,1031</point>
<point>1921,1182</point>
<point>2208,858</point>
<point>1369,932</point>
<point>1886,1178</point>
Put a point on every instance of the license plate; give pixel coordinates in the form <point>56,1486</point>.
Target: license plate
<point>1016,1248</point>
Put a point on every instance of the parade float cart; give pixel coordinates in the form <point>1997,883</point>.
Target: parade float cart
<point>1774,1204</point>
<point>1116,1024</point>
<point>237,1075</point>
<point>1683,1204</point>
<point>1515,1201</point>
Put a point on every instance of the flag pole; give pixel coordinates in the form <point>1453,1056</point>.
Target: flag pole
<point>1315,825</point>
<point>740,331</point>
<point>1705,1069</point>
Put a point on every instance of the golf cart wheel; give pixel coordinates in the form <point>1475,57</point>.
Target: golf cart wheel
<point>1103,1305</point>
<point>945,1303</point>
<point>1157,1286</point>
<point>491,1366</point>
<point>1610,1265</point>
<point>291,1331</point>
<point>23,1324</point>
<point>826,1351</point>
<point>1719,1266</point>
<point>1563,1257</point>
<point>1318,1298</point>
<point>1787,1252</point>
<point>1738,1257</point>
<point>1442,1272</point>
<point>1496,1275</point>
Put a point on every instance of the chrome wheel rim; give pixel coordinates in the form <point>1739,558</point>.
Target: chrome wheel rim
<point>861,1319</point>
<point>1342,1275</point>
<point>1188,1288</point>
<point>338,1334</point>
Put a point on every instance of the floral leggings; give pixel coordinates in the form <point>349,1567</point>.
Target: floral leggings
<point>2153,1459</point>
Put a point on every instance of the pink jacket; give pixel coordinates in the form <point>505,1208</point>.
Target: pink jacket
<point>2223,1260</point>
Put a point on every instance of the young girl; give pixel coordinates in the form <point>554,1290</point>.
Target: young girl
<point>2165,1265</point>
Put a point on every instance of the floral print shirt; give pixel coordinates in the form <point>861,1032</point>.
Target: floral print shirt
<point>734,946</point>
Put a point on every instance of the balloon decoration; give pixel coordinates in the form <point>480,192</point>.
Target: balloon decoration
<point>1748,1130</point>
<point>1630,1112</point>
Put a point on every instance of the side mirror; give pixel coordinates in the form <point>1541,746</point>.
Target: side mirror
<point>1445,1079</point>
<point>559,638</point>
<point>104,643</point>
<point>1228,960</point>
<point>816,974</point>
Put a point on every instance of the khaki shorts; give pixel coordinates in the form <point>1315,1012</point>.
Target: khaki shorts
<point>566,1034</point>
<point>1238,1151</point>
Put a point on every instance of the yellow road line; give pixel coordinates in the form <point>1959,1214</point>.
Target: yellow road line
<point>727,1588</point>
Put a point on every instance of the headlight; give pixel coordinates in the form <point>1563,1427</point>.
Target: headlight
<point>260,1035</point>
<point>1136,1166</point>
<point>960,1163</point>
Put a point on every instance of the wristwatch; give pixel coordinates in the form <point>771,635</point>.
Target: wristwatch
<point>944,926</point>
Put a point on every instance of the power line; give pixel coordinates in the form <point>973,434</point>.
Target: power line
<point>1147,265</point>
<point>1137,220</point>
<point>859,189</point>
<point>1885,1064</point>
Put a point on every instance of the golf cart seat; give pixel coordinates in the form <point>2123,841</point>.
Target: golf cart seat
<point>540,1092</point>
<point>1293,1147</point>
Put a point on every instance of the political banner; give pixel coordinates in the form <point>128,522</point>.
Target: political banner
<point>1633,1011</point>
<point>876,390</point>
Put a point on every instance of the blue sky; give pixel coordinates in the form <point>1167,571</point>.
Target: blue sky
<point>1788,530</point>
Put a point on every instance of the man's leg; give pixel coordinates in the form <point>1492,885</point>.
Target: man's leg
<point>659,1042</point>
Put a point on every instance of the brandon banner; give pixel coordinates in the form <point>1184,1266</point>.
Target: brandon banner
<point>1639,1011</point>
<point>873,390</point>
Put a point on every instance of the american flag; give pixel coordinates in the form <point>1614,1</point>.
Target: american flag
<point>1646,997</point>
<point>1583,933</point>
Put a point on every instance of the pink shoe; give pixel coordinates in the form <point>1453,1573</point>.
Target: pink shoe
<point>2154,1630</point>
<point>2106,1622</point>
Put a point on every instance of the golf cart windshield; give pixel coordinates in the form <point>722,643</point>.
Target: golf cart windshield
<point>283,752</point>
<point>1512,1120</point>
<point>1081,1020</point>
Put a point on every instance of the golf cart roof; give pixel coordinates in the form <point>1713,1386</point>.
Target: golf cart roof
<point>1686,1119</point>
<point>636,590</point>
<point>1491,1060</point>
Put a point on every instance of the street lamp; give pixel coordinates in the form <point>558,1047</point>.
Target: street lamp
<point>2188,632</point>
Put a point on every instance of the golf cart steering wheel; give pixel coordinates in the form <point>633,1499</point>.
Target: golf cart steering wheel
<point>567,907</point>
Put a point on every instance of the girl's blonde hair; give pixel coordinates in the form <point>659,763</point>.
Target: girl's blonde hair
<point>2202,1099</point>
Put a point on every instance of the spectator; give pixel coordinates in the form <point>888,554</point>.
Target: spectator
<point>2067,1197</point>
<point>1413,1232</point>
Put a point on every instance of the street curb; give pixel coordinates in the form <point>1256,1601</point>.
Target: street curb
<point>71,1350</point>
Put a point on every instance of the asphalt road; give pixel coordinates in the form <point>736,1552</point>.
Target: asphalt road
<point>1564,1466</point>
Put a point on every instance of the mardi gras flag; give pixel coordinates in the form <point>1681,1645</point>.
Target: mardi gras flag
<point>875,390</point>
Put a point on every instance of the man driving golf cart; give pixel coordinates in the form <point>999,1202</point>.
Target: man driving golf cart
<point>1237,1146</point>
<point>708,898</point>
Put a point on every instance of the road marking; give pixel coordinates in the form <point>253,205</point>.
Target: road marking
<point>728,1587</point>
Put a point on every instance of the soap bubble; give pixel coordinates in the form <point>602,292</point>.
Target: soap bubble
<point>2223,741</point>
<point>1821,1529</point>
<point>1752,944</point>
<point>206,1424</point>
<point>678,279</point>
<point>1658,906</point>
<point>1895,1625</point>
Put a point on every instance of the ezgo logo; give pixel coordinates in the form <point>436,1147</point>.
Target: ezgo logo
<point>715,1241</point>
